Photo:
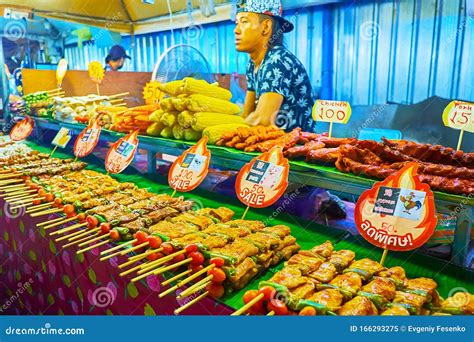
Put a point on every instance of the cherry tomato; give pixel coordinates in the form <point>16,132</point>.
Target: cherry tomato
<point>218,273</point>
<point>41,192</point>
<point>215,290</point>
<point>71,215</point>
<point>26,178</point>
<point>249,295</point>
<point>36,202</point>
<point>92,222</point>
<point>153,256</point>
<point>81,217</point>
<point>105,227</point>
<point>49,197</point>
<point>34,186</point>
<point>114,235</point>
<point>278,307</point>
<point>58,201</point>
<point>141,237</point>
<point>257,308</point>
<point>219,262</point>
<point>154,242</point>
<point>68,208</point>
<point>197,257</point>
<point>28,183</point>
<point>268,292</point>
<point>191,248</point>
<point>308,311</point>
<point>195,268</point>
<point>167,248</point>
<point>178,258</point>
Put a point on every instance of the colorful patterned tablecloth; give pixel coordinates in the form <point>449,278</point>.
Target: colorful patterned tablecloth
<point>38,277</point>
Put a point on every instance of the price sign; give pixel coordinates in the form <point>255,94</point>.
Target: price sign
<point>96,72</point>
<point>190,169</point>
<point>332,112</point>
<point>62,138</point>
<point>264,180</point>
<point>87,140</point>
<point>397,214</point>
<point>152,93</point>
<point>121,153</point>
<point>22,129</point>
<point>61,71</point>
<point>459,115</point>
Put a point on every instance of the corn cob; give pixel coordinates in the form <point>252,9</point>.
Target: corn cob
<point>172,88</point>
<point>214,133</point>
<point>205,119</point>
<point>201,103</point>
<point>178,132</point>
<point>167,132</point>
<point>191,135</point>
<point>185,118</point>
<point>156,115</point>
<point>179,103</point>
<point>169,119</point>
<point>192,86</point>
<point>167,104</point>
<point>155,129</point>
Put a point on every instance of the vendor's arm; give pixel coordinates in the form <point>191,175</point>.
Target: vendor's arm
<point>249,106</point>
<point>267,109</point>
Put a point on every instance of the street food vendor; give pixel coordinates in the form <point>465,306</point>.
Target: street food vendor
<point>116,58</point>
<point>279,91</point>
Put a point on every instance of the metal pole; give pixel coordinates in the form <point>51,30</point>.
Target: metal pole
<point>5,87</point>
<point>327,90</point>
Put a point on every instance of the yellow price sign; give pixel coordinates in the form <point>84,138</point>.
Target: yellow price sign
<point>96,71</point>
<point>152,93</point>
<point>459,115</point>
<point>332,112</point>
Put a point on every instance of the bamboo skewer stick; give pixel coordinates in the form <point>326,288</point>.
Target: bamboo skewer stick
<point>23,203</point>
<point>107,257</point>
<point>271,313</point>
<point>147,266</point>
<point>13,187</point>
<point>46,212</point>
<point>131,249</point>
<point>247,306</point>
<point>37,208</point>
<point>113,249</point>
<point>19,192</point>
<point>194,301</point>
<point>187,280</point>
<point>68,229</point>
<point>80,233</point>
<point>92,247</point>
<point>142,256</point>
<point>24,197</point>
<point>169,281</point>
<point>10,181</point>
<point>56,222</point>
<point>118,95</point>
<point>100,237</point>
<point>12,175</point>
<point>162,270</point>
<point>196,287</point>
<point>77,241</point>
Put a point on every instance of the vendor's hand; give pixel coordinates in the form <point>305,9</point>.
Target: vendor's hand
<point>253,119</point>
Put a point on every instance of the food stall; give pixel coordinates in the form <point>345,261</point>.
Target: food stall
<point>96,220</point>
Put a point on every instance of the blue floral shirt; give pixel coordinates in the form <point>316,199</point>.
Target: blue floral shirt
<point>281,72</point>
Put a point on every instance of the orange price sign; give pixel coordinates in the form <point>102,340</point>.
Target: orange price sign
<point>22,129</point>
<point>332,112</point>
<point>121,153</point>
<point>87,140</point>
<point>264,180</point>
<point>397,214</point>
<point>152,93</point>
<point>190,169</point>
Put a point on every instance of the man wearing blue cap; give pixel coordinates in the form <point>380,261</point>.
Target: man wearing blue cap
<point>279,91</point>
<point>116,58</point>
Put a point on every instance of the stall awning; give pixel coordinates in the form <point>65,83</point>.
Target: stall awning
<point>116,15</point>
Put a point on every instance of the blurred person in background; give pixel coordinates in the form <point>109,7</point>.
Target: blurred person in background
<point>116,58</point>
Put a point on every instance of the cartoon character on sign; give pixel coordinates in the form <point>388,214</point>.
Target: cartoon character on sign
<point>264,180</point>
<point>409,203</point>
<point>87,140</point>
<point>190,169</point>
<point>121,153</point>
<point>398,213</point>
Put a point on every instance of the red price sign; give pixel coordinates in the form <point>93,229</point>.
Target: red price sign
<point>121,153</point>
<point>22,129</point>
<point>398,213</point>
<point>459,115</point>
<point>190,169</point>
<point>264,180</point>
<point>87,140</point>
<point>332,111</point>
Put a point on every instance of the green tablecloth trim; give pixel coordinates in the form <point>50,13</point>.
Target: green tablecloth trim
<point>308,234</point>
